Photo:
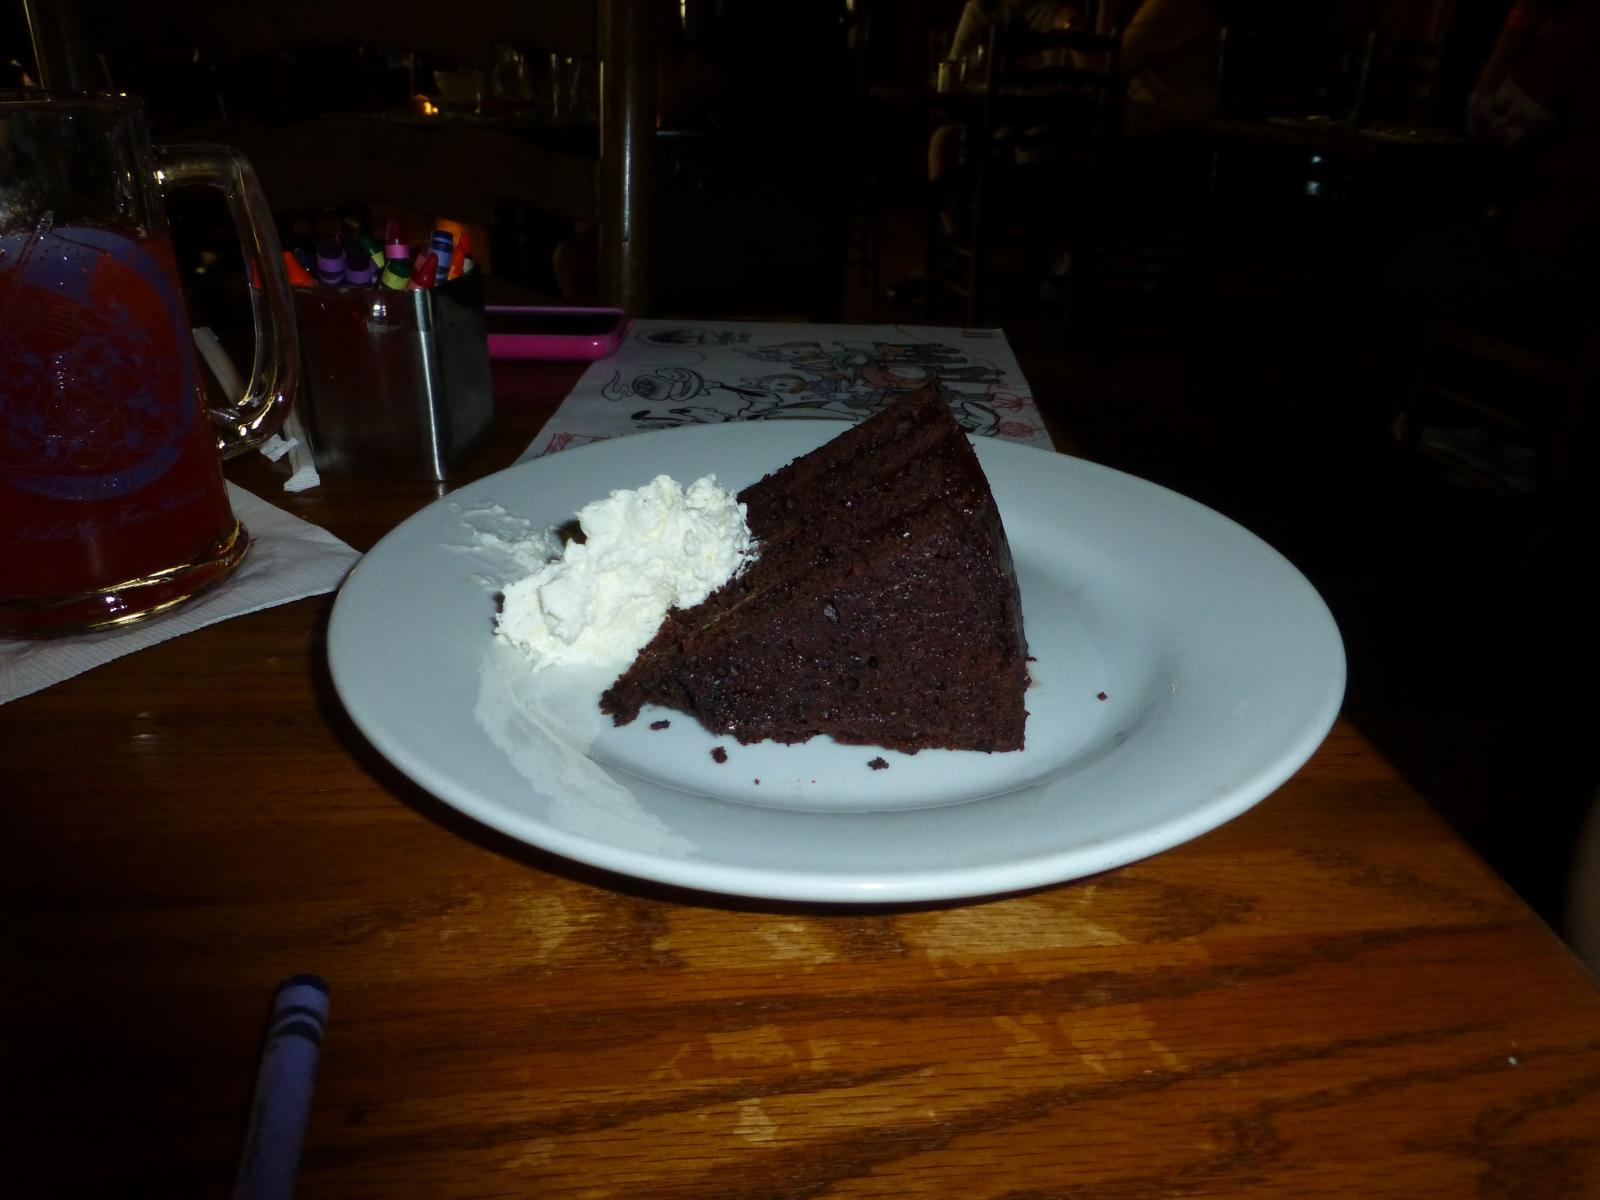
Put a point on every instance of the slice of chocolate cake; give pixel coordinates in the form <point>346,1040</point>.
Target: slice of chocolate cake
<point>882,609</point>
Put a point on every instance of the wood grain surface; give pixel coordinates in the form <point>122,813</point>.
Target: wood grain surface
<point>1330,996</point>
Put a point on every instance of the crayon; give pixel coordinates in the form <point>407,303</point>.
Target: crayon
<point>298,275</point>
<point>396,273</point>
<point>373,249</point>
<point>330,263</point>
<point>351,245</point>
<point>358,269</point>
<point>454,228</point>
<point>425,272</point>
<point>285,1081</point>
<point>442,244</point>
<point>458,234</point>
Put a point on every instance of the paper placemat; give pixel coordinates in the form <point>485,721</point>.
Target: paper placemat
<point>674,372</point>
<point>289,559</point>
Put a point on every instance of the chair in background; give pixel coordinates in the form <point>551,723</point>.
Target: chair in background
<point>1527,409</point>
<point>1037,168</point>
<point>1405,88</point>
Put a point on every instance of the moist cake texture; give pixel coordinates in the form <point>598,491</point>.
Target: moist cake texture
<point>882,609</point>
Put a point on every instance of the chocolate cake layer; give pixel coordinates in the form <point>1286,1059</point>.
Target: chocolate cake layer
<point>882,608</point>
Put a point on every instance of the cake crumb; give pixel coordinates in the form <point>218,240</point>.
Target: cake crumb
<point>1100,696</point>
<point>718,754</point>
<point>659,724</point>
<point>878,764</point>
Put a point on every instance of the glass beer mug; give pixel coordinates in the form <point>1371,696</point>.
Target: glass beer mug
<point>112,500</point>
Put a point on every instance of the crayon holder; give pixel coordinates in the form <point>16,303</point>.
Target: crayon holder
<point>395,383</point>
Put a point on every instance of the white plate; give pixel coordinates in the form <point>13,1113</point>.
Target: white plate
<point>1220,666</point>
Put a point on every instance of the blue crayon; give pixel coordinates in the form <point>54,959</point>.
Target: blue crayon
<point>443,245</point>
<point>358,270</point>
<point>284,1085</point>
<point>330,263</point>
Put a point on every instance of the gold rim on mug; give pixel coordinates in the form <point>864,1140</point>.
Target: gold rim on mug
<point>219,560</point>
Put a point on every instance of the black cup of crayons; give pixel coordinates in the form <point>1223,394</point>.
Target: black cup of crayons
<point>396,361</point>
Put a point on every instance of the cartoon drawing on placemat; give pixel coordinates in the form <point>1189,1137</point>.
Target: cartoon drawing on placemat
<point>674,373</point>
<point>847,380</point>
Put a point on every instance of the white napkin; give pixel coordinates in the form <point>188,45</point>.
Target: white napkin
<point>289,560</point>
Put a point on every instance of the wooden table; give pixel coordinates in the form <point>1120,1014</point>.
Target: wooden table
<point>1330,996</point>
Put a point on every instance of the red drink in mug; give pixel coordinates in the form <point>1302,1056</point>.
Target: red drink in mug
<point>108,466</point>
<point>112,501</point>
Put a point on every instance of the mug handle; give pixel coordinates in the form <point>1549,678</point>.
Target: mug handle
<point>275,373</point>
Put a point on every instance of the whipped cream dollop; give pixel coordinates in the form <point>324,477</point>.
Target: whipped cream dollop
<point>644,550</point>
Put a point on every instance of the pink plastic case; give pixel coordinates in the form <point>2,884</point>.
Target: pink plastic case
<point>529,331</point>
